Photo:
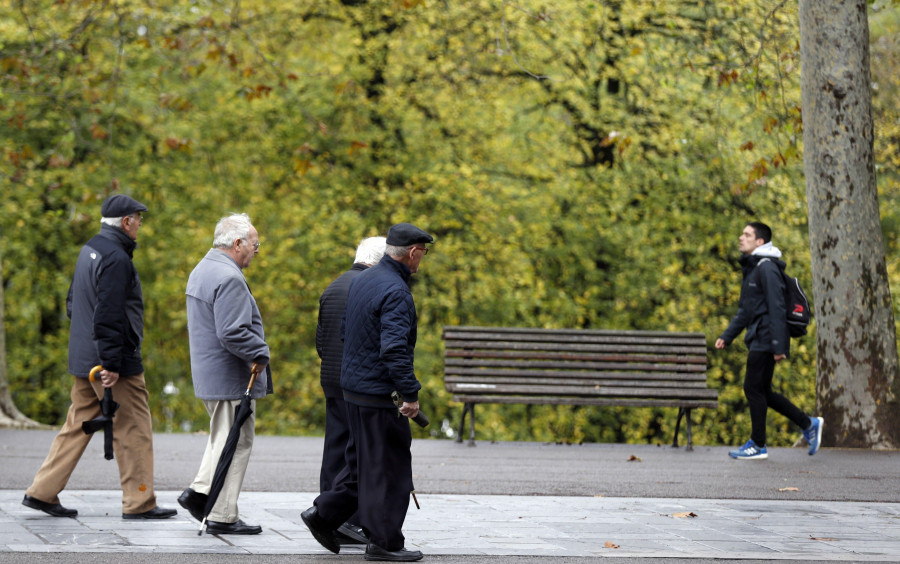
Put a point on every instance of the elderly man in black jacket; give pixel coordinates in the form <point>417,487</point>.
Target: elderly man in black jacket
<point>330,347</point>
<point>380,325</point>
<point>106,307</point>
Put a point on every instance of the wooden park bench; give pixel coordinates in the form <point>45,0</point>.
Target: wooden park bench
<point>576,367</point>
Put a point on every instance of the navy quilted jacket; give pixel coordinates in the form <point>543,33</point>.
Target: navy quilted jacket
<point>380,337</point>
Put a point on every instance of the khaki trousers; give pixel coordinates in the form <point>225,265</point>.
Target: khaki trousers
<point>132,443</point>
<point>221,418</point>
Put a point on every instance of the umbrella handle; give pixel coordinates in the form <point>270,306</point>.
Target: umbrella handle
<point>254,372</point>
<point>94,371</point>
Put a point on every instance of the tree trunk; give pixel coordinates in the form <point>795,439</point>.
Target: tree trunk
<point>10,416</point>
<point>857,373</point>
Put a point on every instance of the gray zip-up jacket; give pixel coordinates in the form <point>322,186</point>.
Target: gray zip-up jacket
<point>225,331</point>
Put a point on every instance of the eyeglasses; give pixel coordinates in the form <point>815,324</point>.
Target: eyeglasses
<point>256,245</point>
<point>423,249</point>
<point>137,217</point>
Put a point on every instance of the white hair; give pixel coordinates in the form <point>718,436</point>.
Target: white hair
<point>113,221</point>
<point>231,228</point>
<point>397,252</point>
<point>370,250</point>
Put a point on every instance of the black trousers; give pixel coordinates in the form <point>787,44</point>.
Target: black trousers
<point>760,397</point>
<point>377,479</point>
<point>337,435</point>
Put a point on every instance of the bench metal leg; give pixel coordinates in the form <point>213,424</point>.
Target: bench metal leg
<point>686,413</point>
<point>470,408</point>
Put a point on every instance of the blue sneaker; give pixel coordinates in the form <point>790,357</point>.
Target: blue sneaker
<point>813,435</point>
<point>749,452</point>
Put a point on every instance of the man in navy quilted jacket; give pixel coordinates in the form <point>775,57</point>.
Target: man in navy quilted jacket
<point>379,339</point>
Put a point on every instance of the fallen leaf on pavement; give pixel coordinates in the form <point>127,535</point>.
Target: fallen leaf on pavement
<point>790,489</point>
<point>610,544</point>
<point>683,515</point>
<point>821,539</point>
<point>633,458</point>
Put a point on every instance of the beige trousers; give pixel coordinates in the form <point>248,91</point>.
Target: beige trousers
<point>221,418</point>
<point>132,443</point>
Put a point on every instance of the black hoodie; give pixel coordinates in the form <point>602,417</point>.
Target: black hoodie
<point>761,308</point>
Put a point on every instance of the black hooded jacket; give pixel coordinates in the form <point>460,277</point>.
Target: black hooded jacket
<point>761,308</point>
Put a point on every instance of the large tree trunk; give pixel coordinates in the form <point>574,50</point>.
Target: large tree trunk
<point>10,416</point>
<point>857,382</point>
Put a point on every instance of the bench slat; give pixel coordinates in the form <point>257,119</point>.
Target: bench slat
<point>555,400</point>
<point>572,380</point>
<point>461,368</point>
<point>667,356</point>
<point>512,333</point>
<point>463,373</point>
<point>695,347</point>
<point>585,391</point>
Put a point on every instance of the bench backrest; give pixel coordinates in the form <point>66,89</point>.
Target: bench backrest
<point>579,367</point>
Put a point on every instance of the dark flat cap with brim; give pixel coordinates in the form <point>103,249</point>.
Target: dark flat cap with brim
<point>120,205</point>
<point>406,234</point>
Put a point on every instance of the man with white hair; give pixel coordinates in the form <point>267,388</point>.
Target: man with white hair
<point>330,347</point>
<point>226,337</point>
<point>106,307</point>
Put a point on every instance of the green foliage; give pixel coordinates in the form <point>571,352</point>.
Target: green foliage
<point>589,164</point>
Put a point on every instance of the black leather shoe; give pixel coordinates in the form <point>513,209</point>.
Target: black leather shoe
<point>194,502</point>
<point>237,528</point>
<point>350,534</point>
<point>54,509</point>
<point>155,513</point>
<point>375,552</point>
<point>320,529</point>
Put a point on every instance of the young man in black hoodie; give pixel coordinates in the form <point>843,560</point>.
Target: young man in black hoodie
<point>761,311</point>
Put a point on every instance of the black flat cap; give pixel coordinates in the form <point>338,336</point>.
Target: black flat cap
<point>120,205</point>
<point>406,234</point>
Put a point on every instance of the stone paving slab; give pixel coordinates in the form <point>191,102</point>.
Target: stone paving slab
<point>487,525</point>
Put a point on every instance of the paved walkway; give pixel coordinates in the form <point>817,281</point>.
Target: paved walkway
<point>497,503</point>
<point>488,525</point>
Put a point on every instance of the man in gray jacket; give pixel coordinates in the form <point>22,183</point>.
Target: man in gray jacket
<point>226,336</point>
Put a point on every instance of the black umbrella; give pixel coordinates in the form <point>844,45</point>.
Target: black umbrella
<point>241,413</point>
<point>107,409</point>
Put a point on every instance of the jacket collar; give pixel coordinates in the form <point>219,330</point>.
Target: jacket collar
<point>218,255</point>
<point>115,234</point>
<point>398,267</point>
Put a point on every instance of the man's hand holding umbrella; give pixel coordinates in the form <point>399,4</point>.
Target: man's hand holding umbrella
<point>108,409</point>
